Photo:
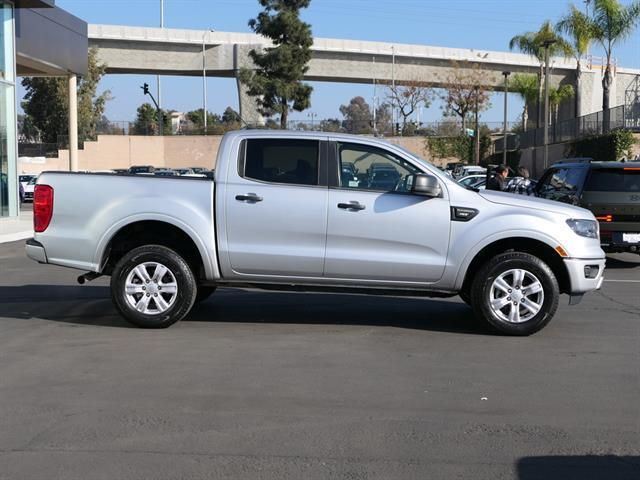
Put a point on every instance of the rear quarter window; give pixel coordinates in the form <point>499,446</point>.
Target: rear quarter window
<point>613,180</point>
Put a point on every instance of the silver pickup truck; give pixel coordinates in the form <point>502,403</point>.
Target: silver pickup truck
<point>316,212</point>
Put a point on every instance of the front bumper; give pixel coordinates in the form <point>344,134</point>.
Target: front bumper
<point>583,275</point>
<point>35,251</point>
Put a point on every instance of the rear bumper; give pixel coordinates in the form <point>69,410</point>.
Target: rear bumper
<point>614,241</point>
<point>35,251</point>
<point>585,275</point>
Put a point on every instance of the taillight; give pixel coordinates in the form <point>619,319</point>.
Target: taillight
<point>605,218</point>
<point>42,207</point>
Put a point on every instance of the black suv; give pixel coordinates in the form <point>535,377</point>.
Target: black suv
<point>611,190</point>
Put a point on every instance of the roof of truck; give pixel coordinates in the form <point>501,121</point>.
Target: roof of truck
<point>258,132</point>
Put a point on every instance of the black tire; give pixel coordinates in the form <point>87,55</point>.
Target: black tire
<point>465,295</point>
<point>174,308</point>
<point>481,292</point>
<point>204,292</point>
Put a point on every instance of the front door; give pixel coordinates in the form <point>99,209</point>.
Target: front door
<point>377,229</point>
<point>276,210</point>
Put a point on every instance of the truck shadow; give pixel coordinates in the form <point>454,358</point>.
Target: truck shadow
<point>622,263</point>
<point>91,305</point>
<point>578,467</point>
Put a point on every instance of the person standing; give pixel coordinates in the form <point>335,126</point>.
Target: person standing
<point>497,181</point>
<point>521,184</point>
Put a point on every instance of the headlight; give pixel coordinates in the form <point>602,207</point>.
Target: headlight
<point>585,228</point>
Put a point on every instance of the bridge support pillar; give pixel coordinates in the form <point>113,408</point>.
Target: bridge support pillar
<point>248,105</point>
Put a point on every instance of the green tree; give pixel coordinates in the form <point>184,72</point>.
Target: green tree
<point>528,87</point>
<point>577,26</point>
<point>230,116</point>
<point>556,97</point>
<point>46,103</point>
<point>612,23</point>
<point>197,119</point>
<point>532,43</point>
<point>357,116</point>
<point>330,125</point>
<point>383,119</point>
<point>146,122</point>
<point>277,80</point>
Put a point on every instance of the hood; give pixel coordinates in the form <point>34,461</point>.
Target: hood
<point>525,201</point>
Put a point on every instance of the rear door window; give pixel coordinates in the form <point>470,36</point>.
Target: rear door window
<point>287,161</point>
<point>614,180</point>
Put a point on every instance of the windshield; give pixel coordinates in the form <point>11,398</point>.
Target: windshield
<point>610,180</point>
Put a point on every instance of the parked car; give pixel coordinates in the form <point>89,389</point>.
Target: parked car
<point>183,171</point>
<point>467,170</point>
<point>611,190</point>
<point>471,180</point>
<point>28,189</point>
<point>142,169</point>
<point>24,179</point>
<point>278,216</point>
<point>165,173</point>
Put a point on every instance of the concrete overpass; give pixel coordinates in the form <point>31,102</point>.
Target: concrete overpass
<point>179,52</point>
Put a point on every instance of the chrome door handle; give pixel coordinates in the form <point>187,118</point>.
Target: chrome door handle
<point>249,197</point>
<point>351,206</point>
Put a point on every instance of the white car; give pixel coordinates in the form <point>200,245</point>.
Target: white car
<point>471,180</point>
<point>28,189</point>
<point>471,170</point>
<point>24,179</point>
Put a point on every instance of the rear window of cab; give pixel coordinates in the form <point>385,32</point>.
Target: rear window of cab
<point>614,180</point>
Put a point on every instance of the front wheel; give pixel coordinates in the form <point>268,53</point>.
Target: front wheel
<point>153,287</point>
<point>516,293</point>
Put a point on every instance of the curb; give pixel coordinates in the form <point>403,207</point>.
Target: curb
<point>14,237</point>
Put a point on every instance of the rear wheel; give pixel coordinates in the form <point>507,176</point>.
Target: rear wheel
<point>516,293</point>
<point>153,287</point>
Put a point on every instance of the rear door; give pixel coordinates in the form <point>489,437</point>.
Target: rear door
<point>613,195</point>
<point>377,230</point>
<point>276,208</point>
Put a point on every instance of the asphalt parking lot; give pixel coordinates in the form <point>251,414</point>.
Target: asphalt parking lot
<point>302,386</point>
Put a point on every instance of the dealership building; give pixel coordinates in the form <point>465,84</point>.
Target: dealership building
<point>38,39</point>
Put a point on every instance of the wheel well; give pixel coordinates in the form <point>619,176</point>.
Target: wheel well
<point>152,233</point>
<point>526,245</point>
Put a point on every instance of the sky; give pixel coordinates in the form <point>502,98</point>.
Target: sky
<point>479,24</point>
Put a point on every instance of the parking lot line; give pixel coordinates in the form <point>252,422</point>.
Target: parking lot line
<point>621,281</point>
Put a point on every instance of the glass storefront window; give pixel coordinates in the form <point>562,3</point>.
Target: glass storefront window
<point>9,201</point>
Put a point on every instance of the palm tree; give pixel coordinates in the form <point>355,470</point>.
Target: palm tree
<point>578,27</point>
<point>556,97</point>
<point>611,23</point>
<point>528,87</point>
<point>532,43</point>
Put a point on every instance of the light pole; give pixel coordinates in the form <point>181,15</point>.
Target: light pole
<point>546,46</point>
<point>312,115</point>
<point>476,139</point>
<point>393,88</point>
<point>375,99</point>
<point>204,80</point>
<point>506,92</point>
<point>160,119</point>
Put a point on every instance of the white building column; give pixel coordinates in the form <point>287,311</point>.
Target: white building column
<point>73,123</point>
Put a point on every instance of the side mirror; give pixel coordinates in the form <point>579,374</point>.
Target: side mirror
<point>426,185</point>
